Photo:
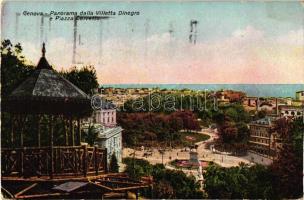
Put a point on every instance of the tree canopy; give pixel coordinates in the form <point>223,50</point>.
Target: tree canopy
<point>242,182</point>
<point>288,166</point>
<point>14,68</point>
<point>166,183</point>
<point>155,127</point>
<point>84,78</point>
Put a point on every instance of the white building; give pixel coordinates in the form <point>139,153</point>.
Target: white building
<point>111,138</point>
<point>106,114</point>
<point>108,137</point>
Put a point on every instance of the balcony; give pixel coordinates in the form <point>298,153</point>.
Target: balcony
<point>76,161</point>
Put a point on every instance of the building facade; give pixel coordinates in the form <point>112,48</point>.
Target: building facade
<point>300,95</point>
<point>106,114</point>
<point>109,138</point>
<point>263,140</point>
<point>230,96</point>
<point>291,112</point>
<point>103,122</point>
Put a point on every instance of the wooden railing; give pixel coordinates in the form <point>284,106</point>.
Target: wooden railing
<point>56,161</point>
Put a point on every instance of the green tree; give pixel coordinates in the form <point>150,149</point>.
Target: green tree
<point>261,114</point>
<point>163,190</point>
<point>91,135</point>
<point>239,182</point>
<point>85,78</point>
<point>288,166</point>
<point>13,67</point>
<point>114,167</point>
<point>14,70</point>
<point>167,183</point>
<point>242,132</point>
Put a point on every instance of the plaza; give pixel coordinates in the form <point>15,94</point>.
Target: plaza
<point>223,159</point>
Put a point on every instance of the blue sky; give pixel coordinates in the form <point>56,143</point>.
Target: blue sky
<point>217,21</point>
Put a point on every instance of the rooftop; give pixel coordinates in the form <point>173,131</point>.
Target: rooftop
<point>268,121</point>
<point>103,131</point>
<point>46,91</point>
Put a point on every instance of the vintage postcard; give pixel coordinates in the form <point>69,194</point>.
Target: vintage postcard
<point>152,99</point>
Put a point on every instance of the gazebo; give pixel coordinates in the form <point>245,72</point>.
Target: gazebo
<point>48,95</point>
<point>73,170</point>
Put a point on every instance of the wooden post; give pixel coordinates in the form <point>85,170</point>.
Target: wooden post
<point>72,131</point>
<point>79,130</point>
<point>151,190</point>
<point>38,130</point>
<point>136,194</point>
<point>51,147</point>
<point>95,160</point>
<point>66,132</point>
<point>85,156</point>
<point>21,118</point>
<point>39,144</point>
<point>21,121</point>
<point>12,130</point>
<point>105,164</point>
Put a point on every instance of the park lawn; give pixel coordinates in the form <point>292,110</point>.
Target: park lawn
<point>197,137</point>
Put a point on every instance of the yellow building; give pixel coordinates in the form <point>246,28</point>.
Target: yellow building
<point>300,95</point>
<point>262,139</point>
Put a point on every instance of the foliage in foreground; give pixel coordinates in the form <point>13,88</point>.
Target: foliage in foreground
<point>167,183</point>
<point>283,179</point>
<point>239,182</point>
<point>288,167</point>
<point>114,167</point>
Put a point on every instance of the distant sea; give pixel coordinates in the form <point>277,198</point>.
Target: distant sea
<point>261,90</point>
